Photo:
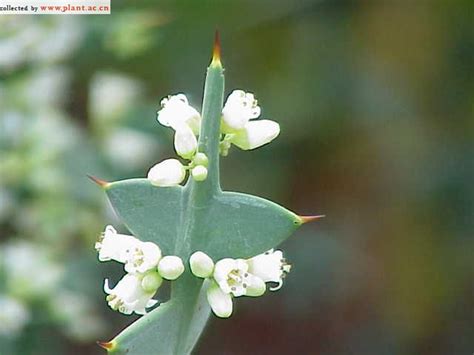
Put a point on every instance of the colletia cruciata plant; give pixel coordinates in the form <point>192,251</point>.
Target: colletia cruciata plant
<point>212,245</point>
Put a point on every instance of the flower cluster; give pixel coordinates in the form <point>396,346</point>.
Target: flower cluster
<point>230,278</point>
<point>238,125</point>
<point>237,128</point>
<point>145,267</point>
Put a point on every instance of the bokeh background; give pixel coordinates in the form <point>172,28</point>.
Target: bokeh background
<point>376,105</point>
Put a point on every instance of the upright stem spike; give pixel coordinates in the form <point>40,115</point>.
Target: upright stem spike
<point>210,135</point>
<point>216,51</point>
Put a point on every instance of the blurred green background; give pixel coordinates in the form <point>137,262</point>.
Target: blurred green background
<point>376,104</point>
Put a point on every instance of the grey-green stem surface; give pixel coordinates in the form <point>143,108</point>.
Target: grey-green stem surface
<point>182,220</point>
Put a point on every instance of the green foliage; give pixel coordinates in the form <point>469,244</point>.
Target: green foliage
<point>182,220</point>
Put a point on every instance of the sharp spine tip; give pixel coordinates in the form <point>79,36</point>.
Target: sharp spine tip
<point>100,182</point>
<point>107,345</point>
<point>307,219</point>
<point>216,51</point>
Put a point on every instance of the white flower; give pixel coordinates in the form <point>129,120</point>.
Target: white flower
<point>199,173</point>
<point>142,256</point>
<point>13,317</point>
<point>169,172</point>
<point>239,108</point>
<point>201,264</point>
<point>128,295</point>
<point>171,267</point>
<point>220,302</point>
<point>79,316</point>
<point>176,111</point>
<point>137,256</point>
<point>233,277</point>
<point>110,95</point>
<point>270,267</point>
<point>135,153</point>
<point>185,142</point>
<point>19,262</point>
<point>114,246</point>
<point>255,134</point>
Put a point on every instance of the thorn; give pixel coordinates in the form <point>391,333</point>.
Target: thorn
<point>107,345</point>
<point>102,183</point>
<point>307,219</point>
<point>216,51</point>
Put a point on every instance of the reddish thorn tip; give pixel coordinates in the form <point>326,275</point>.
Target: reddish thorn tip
<point>107,345</point>
<point>216,51</point>
<point>100,182</point>
<point>307,219</point>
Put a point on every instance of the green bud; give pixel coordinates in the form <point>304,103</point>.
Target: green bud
<point>199,173</point>
<point>201,264</point>
<point>171,267</point>
<point>151,281</point>
<point>201,159</point>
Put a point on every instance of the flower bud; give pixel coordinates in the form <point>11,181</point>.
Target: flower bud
<point>199,173</point>
<point>171,267</point>
<point>255,134</point>
<point>185,142</point>
<point>169,172</point>
<point>201,159</point>
<point>201,264</point>
<point>151,281</point>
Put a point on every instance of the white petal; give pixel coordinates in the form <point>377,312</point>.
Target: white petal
<point>239,108</point>
<point>171,267</point>
<point>142,257</point>
<point>223,268</point>
<point>140,311</point>
<point>185,142</point>
<point>107,289</point>
<point>151,303</point>
<point>151,256</point>
<point>256,287</point>
<point>176,111</point>
<point>230,275</point>
<point>267,266</point>
<point>220,302</point>
<point>277,287</point>
<point>114,246</point>
<point>241,265</point>
<point>128,296</point>
<point>201,264</point>
<point>169,172</point>
<point>255,134</point>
